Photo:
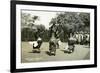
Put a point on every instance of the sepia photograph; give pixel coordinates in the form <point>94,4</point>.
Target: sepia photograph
<point>54,36</point>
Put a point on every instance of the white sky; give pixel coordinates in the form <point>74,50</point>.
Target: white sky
<point>44,16</point>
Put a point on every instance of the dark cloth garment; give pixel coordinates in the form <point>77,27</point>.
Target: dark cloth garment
<point>71,42</point>
<point>39,44</point>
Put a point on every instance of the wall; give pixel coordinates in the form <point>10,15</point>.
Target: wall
<point>5,36</point>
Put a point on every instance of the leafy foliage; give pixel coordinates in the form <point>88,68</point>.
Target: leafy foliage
<point>62,25</point>
<point>70,22</point>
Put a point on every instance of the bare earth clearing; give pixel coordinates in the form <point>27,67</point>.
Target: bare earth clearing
<point>82,52</point>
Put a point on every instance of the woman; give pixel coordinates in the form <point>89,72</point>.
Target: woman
<point>71,44</point>
<point>37,44</point>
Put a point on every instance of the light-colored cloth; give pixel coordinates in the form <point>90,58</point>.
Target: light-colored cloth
<point>87,37</point>
<point>39,39</point>
<point>59,42</point>
<point>72,38</point>
<point>35,44</point>
<point>31,42</point>
<point>66,48</point>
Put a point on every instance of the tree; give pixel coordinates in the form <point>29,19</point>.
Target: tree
<point>24,19</point>
<point>41,29</point>
<point>27,20</point>
<point>69,22</point>
<point>28,26</point>
<point>85,17</point>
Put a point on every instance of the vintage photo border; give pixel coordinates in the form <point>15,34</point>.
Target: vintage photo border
<point>13,35</point>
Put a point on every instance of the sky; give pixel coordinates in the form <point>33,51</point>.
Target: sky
<point>44,16</point>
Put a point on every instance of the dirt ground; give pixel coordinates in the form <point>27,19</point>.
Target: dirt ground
<point>82,52</point>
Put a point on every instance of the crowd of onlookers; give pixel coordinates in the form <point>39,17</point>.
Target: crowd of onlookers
<point>82,38</point>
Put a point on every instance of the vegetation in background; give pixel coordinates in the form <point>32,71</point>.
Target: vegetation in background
<point>63,24</point>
